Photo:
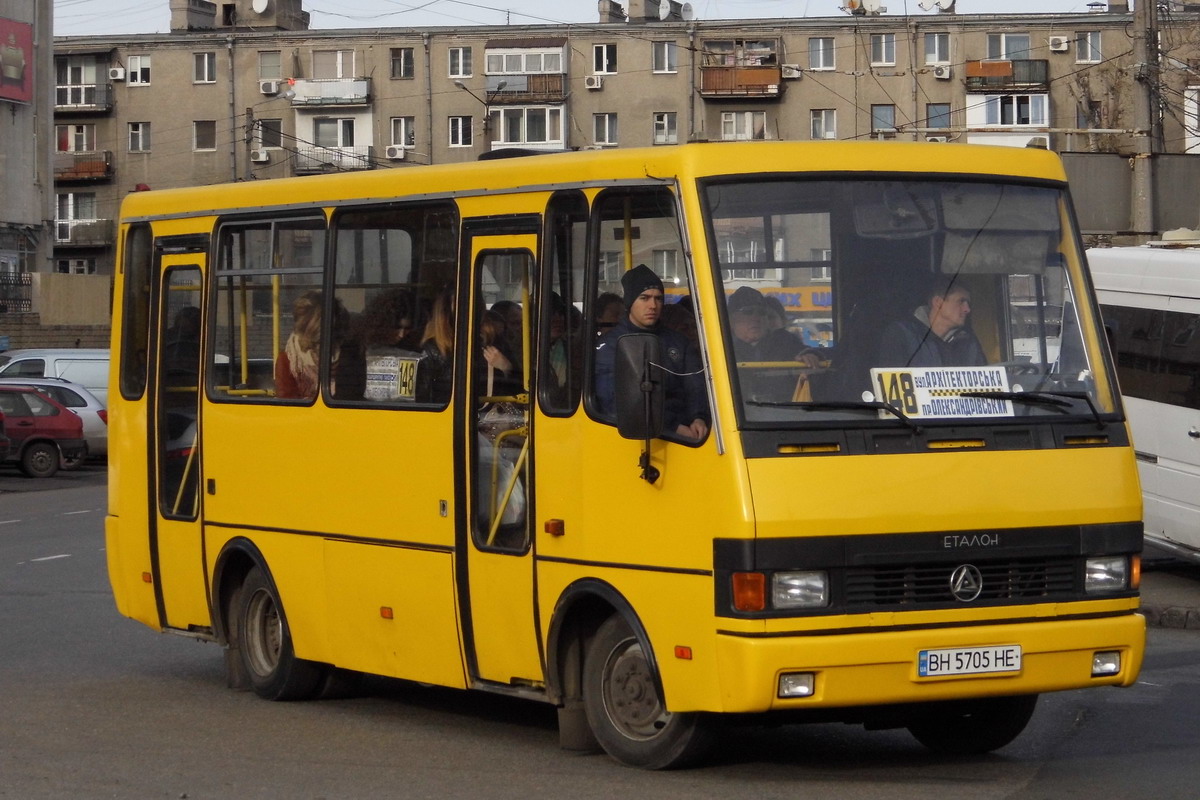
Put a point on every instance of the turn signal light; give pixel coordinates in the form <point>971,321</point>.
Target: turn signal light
<point>749,591</point>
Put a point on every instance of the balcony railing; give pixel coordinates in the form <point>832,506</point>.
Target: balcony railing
<point>83,166</point>
<point>83,232</point>
<point>993,76</point>
<point>16,292</point>
<point>538,87</point>
<point>741,81</point>
<point>311,160</point>
<point>331,92</point>
<point>77,97</point>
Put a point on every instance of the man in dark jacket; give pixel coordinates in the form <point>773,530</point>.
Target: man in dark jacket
<point>936,335</point>
<point>685,408</point>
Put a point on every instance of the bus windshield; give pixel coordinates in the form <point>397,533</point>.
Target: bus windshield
<point>907,300</point>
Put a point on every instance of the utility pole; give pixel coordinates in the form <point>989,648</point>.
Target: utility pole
<point>1145,58</point>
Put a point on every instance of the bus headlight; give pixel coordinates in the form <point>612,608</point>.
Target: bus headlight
<point>800,589</point>
<point>1107,574</point>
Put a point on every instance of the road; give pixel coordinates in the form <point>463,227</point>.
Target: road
<point>94,705</point>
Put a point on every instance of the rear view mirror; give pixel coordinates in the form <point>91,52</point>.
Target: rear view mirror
<point>639,386</point>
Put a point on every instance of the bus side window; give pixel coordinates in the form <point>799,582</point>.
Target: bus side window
<point>563,331</point>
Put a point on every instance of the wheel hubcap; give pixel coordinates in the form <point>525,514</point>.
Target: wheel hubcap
<point>264,633</point>
<point>630,696</point>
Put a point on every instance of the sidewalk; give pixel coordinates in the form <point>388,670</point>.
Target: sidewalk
<point>1170,591</point>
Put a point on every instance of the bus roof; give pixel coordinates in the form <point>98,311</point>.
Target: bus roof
<point>595,168</point>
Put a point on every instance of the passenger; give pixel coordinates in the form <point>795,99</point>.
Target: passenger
<point>686,406</point>
<point>435,374</point>
<point>681,318</point>
<point>776,313</point>
<point>610,308</point>
<point>755,341</point>
<point>181,349</point>
<point>385,327</point>
<point>296,367</point>
<point>513,326</point>
<point>936,335</point>
<point>501,377</point>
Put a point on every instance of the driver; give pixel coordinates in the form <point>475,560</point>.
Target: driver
<point>936,334</point>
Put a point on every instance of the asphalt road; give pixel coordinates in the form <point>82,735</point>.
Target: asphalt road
<point>94,705</point>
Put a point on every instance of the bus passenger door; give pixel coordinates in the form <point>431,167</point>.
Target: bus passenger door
<point>176,544</point>
<point>503,645</point>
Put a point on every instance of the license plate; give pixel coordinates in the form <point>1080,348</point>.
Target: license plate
<point>969,660</point>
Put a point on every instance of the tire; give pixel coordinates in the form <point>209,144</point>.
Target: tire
<point>265,643</point>
<point>40,460</point>
<point>974,727</point>
<point>73,463</point>
<point>626,712</point>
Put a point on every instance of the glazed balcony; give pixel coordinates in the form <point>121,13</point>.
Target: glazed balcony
<point>83,166</point>
<point>1000,76</point>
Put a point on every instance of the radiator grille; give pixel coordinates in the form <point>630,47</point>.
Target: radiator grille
<point>915,585</point>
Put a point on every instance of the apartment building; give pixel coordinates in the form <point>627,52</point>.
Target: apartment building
<point>236,93</point>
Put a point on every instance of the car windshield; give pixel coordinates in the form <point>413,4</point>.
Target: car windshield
<point>903,300</point>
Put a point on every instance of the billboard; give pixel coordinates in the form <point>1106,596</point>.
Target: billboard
<point>16,61</point>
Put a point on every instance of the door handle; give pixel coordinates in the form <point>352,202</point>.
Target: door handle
<point>1195,434</point>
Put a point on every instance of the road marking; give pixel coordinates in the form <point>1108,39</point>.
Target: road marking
<point>51,558</point>
<point>8,521</point>
<point>69,513</point>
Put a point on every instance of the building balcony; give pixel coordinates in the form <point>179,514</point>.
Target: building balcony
<point>725,82</point>
<point>331,92</point>
<point>83,166</point>
<point>83,232</point>
<point>540,87</point>
<point>77,98</point>
<point>1001,76</point>
<point>316,160</point>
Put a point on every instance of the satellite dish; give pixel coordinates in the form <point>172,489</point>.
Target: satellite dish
<point>688,13</point>
<point>664,9</point>
<point>259,6</point>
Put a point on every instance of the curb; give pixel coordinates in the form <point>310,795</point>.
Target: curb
<point>1158,616</point>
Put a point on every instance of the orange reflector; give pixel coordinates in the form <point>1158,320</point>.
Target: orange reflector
<point>749,591</point>
<point>385,612</point>
<point>147,577</point>
<point>556,527</point>
<point>1135,572</point>
<point>683,651</point>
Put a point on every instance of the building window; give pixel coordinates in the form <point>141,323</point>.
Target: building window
<point>270,133</point>
<point>75,138</point>
<point>883,118</point>
<point>460,63</point>
<point>333,64</point>
<point>604,59</point>
<point>333,132</point>
<point>937,115</point>
<point>604,127</point>
<point>883,49</point>
<point>1087,47</point>
<point>1008,46</point>
<point>460,131</point>
<point>402,62</point>
<point>204,67</point>
<point>269,65</point>
<point>524,62</point>
<point>937,48</point>
<point>1016,109</point>
<point>824,123</point>
<point>820,52</point>
<point>139,137</point>
<point>527,125</point>
<point>743,125</point>
<point>404,131</point>
<point>665,57</point>
<point>204,134</point>
<point>76,266</point>
<point>666,265</point>
<point>665,130</point>
<point>138,72</point>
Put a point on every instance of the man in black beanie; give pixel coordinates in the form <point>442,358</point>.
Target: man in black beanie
<point>686,406</point>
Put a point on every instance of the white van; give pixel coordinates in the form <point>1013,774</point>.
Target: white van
<point>88,368</point>
<point>1150,299</point>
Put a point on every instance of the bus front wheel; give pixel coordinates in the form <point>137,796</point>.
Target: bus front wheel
<point>266,645</point>
<point>975,726</point>
<point>624,708</point>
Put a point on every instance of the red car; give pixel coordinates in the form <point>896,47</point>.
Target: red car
<point>42,431</point>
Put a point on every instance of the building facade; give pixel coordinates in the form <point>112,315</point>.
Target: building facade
<point>234,94</point>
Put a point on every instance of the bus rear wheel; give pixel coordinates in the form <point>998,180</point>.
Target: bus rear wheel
<point>625,710</point>
<point>266,645</point>
<point>973,727</point>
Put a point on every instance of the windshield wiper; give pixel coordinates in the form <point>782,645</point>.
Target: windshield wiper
<point>842,405</point>
<point>1051,399</point>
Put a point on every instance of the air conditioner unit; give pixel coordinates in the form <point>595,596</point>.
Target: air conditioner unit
<point>937,138</point>
<point>260,156</point>
<point>395,152</point>
<point>593,82</point>
<point>1059,44</point>
<point>942,72</point>
<point>116,73</point>
<point>268,87</point>
<point>792,72</point>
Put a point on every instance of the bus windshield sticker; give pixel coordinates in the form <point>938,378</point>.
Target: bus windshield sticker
<point>937,392</point>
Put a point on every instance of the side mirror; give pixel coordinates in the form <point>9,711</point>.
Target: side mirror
<point>638,386</point>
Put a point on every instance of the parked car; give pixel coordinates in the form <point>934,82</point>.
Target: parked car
<point>5,442</point>
<point>78,399</point>
<point>43,431</point>
<point>88,368</point>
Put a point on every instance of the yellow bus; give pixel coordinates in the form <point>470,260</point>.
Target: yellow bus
<point>358,426</point>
